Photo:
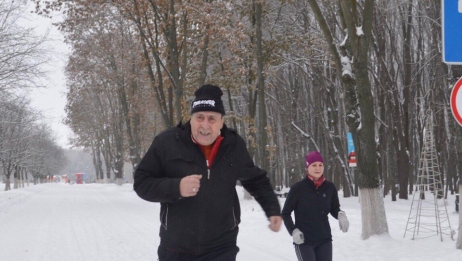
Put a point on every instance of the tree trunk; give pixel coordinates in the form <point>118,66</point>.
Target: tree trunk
<point>15,177</point>
<point>23,176</point>
<point>150,43</point>
<point>107,159</point>
<point>175,63</point>
<point>374,221</point>
<point>7,184</point>
<point>262,116</point>
<point>373,215</point>
<point>391,163</point>
<point>130,126</point>
<point>404,163</point>
<point>99,162</point>
<point>205,56</point>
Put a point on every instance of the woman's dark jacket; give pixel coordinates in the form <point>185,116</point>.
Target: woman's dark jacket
<point>210,219</point>
<point>311,207</point>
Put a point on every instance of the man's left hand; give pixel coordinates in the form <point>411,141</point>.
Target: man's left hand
<point>275,223</point>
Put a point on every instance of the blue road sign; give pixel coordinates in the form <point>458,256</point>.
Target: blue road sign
<point>351,145</point>
<point>452,31</point>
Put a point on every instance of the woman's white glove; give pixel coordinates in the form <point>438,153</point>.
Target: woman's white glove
<point>343,221</point>
<point>298,236</point>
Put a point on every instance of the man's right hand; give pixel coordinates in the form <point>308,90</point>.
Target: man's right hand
<point>189,185</point>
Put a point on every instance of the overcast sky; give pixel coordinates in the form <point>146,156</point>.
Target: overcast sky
<point>52,100</point>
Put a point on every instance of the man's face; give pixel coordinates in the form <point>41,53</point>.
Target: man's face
<point>206,126</point>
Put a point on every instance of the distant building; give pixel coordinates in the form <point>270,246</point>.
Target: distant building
<point>79,178</point>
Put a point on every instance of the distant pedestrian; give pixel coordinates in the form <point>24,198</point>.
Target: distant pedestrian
<point>311,200</point>
<point>192,170</point>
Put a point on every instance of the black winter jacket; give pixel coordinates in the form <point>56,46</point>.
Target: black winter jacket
<point>311,207</point>
<point>210,219</point>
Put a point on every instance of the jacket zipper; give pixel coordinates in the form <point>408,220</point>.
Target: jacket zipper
<point>202,223</point>
<point>208,168</point>
<point>201,236</point>
<point>166,218</point>
<point>234,220</point>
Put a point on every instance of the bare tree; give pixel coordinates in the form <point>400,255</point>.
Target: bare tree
<point>25,144</point>
<point>22,52</point>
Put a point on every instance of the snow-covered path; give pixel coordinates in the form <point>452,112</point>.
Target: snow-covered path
<point>52,221</point>
<point>96,222</point>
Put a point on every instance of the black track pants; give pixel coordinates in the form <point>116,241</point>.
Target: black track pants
<point>321,252</point>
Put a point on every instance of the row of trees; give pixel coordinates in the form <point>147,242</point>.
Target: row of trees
<point>297,75</point>
<point>27,145</point>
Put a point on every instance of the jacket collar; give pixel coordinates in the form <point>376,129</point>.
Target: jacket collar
<point>226,133</point>
<point>311,182</point>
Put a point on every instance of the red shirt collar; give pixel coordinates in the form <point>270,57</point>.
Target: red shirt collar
<point>215,146</point>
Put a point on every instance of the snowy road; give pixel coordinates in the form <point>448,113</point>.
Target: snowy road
<point>53,221</point>
<point>88,222</point>
<point>96,222</point>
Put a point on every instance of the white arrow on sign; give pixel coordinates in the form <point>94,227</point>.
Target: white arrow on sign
<point>456,101</point>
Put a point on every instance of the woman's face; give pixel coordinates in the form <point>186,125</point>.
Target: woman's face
<point>315,170</point>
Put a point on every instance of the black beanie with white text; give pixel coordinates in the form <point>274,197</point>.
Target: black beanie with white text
<point>208,98</point>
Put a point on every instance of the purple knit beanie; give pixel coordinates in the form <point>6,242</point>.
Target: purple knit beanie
<point>313,157</point>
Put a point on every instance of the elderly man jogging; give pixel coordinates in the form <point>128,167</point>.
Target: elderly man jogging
<point>192,170</point>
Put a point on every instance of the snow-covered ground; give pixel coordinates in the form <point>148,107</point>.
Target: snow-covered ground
<point>96,222</point>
